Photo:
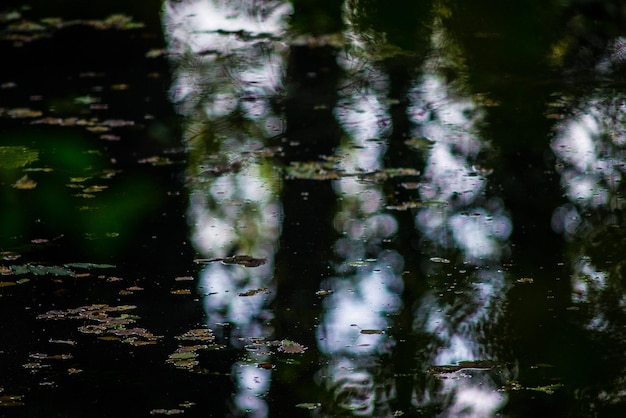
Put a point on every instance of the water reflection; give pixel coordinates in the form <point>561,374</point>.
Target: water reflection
<point>223,85</point>
<point>458,217</point>
<point>418,279</point>
<point>367,281</point>
<point>471,228</point>
<point>589,144</point>
<point>226,83</point>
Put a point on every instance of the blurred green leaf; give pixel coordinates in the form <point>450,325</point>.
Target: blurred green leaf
<point>17,156</point>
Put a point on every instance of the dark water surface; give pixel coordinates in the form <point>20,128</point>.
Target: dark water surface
<point>313,208</point>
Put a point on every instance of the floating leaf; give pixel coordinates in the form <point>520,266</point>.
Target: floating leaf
<point>156,161</point>
<point>419,144</point>
<point>372,331</point>
<point>89,266</point>
<point>254,292</point>
<point>9,255</point>
<point>412,205</point>
<point>328,170</point>
<point>200,334</point>
<point>17,156</point>
<point>7,284</point>
<point>525,280</point>
<point>309,405</point>
<point>86,100</point>
<point>511,385</point>
<point>410,186</point>
<point>242,260</point>
<point>357,263</point>
<point>94,189</point>
<point>185,356</point>
<point>548,389</point>
<point>291,347</point>
<point>181,292</point>
<point>40,270</point>
<point>110,327</point>
<point>68,342</point>
<point>161,411</point>
<point>474,364</point>
<point>24,183</point>
<point>11,400</point>
<point>23,112</point>
<point>155,53</point>
<point>34,365</point>
<point>245,260</point>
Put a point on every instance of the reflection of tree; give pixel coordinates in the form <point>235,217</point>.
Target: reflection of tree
<point>454,321</point>
<point>417,288</point>
<point>590,146</point>
<point>228,69</point>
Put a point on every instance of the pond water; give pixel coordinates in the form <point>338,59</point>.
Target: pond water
<point>312,208</point>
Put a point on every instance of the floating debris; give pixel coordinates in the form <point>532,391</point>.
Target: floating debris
<point>548,389</point>
<point>107,327</point>
<point>160,411</point>
<point>474,364</point>
<point>328,170</point>
<point>44,356</point>
<point>200,334</point>
<point>371,331</point>
<point>7,284</point>
<point>309,405</point>
<point>242,260</point>
<point>439,260</point>
<point>11,400</point>
<point>89,266</point>
<point>525,280</point>
<point>291,347</point>
<point>181,292</point>
<point>23,113</point>
<point>419,144</point>
<point>410,186</point>
<point>17,156</point>
<point>68,342</point>
<point>420,204</point>
<point>255,291</point>
<point>367,331</point>
<point>24,183</point>
<point>512,385</point>
<point>185,357</point>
